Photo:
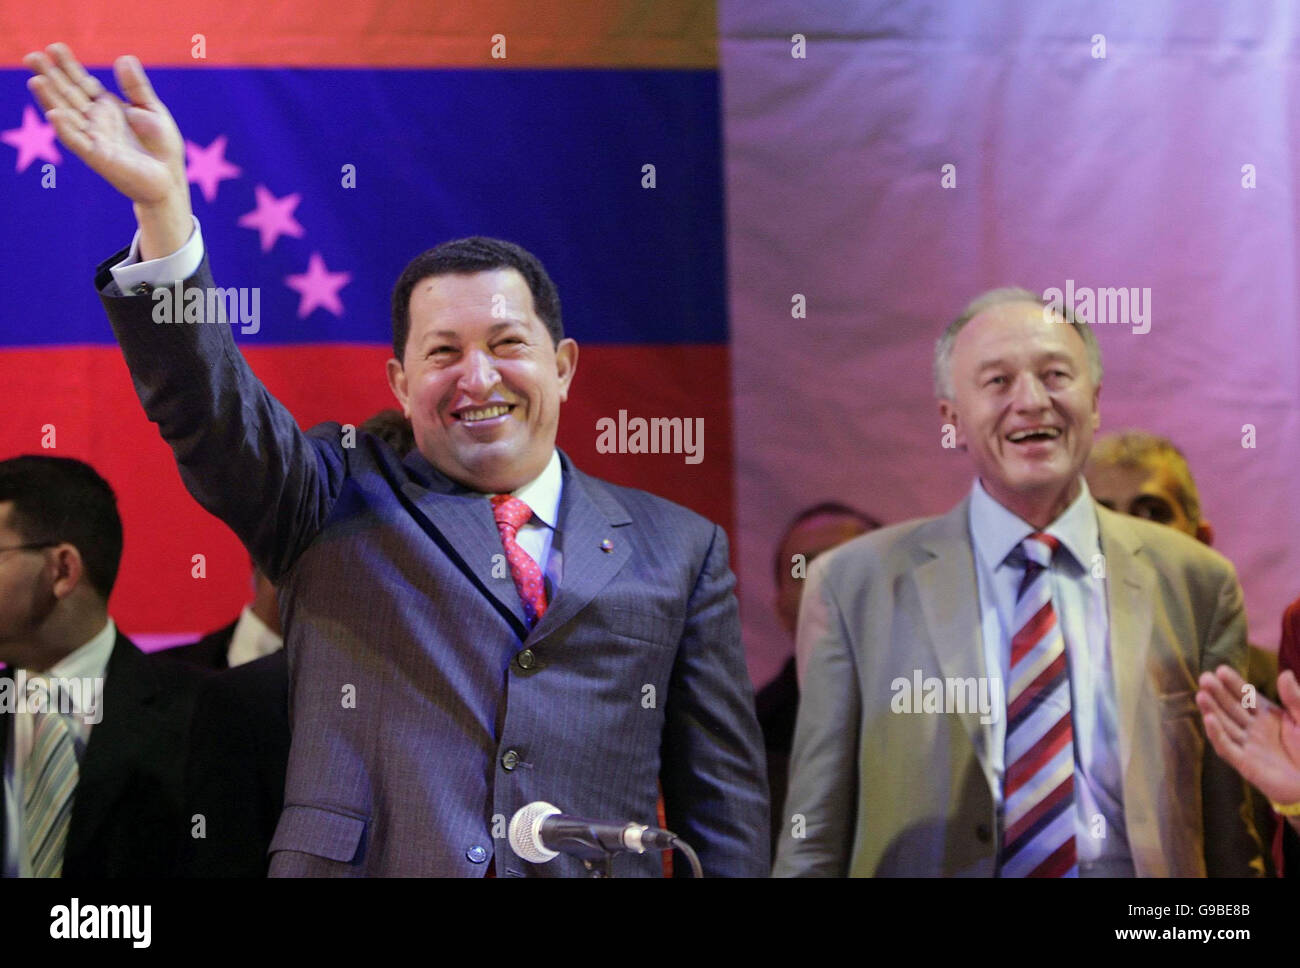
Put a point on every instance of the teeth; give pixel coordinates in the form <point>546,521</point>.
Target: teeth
<point>1020,435</point>
<point>485,413</point>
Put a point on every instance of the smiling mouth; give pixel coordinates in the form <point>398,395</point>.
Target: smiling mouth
<point>473,415</point>
<point>1034,435</point>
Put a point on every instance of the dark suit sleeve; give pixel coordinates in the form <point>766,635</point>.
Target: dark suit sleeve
<point>239,451</point>
<point>1232,847</point>
<point>714,782</point>
<point>821,805</point>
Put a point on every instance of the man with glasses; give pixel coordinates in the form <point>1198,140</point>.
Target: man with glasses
<point>85,794</point>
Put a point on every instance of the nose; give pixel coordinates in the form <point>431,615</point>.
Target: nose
<point>1029,394</point>
<point>478,374</point>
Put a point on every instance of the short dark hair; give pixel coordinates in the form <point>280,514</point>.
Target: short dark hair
<point>392,427</point>
<point>475,254</point>
<point>58,499</point>
<point>831,509</point>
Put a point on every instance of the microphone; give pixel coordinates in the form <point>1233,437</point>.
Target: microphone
<point>539,832</point>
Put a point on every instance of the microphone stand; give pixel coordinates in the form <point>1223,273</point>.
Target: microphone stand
<point>601,868</point>
<point>596,858</point>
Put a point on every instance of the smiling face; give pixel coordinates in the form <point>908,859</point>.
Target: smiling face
<point>1024,406</point>
<point>481,380</point>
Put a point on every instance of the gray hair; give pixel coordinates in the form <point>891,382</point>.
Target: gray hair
<point>996,297</point>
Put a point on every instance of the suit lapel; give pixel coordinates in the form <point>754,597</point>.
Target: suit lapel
<point>590,517</point>
<point>460,521</point>
<point>1129,594</point>
<point>946,584</point>
<point>117,743</point>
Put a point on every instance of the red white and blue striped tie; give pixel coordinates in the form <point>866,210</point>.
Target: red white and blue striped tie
<point>1038,787</point>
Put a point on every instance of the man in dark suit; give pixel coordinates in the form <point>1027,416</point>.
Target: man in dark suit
<point>471,628</point>
<point>94,732</point>
<point>238,757</point>
<point>240,752</point>
<point>255,634</point>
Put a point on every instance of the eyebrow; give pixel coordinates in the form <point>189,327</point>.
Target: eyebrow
<point>451,335</point>
<point>1052,356</point>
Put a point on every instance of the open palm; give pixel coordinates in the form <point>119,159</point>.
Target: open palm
<point>132,142</point>
<point>1262,744</point>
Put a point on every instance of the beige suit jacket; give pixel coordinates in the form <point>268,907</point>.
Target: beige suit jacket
<point>876,792</point>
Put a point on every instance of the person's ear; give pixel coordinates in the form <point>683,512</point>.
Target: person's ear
<point>69,569</point>
<point>566,365</point>
<point>1205,533</point>
<point>948,413</point>
<point>397,383</point>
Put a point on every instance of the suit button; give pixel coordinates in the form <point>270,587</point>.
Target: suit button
<point>477,854</point>
<point>983,833</point>
<point>527,659</point>
<point>510,760</point>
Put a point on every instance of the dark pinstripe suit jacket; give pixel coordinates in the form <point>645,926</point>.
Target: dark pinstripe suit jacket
<point>424,712</point>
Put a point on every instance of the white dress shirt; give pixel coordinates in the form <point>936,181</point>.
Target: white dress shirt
<point>1079,599</point>
<point>536,537</point>
<point>90,661</point>
<point>252,639</point>
<point>181,264</point>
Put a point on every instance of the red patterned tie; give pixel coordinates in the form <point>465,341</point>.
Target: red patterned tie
<point>511,514</point>
<point>1038,789</point>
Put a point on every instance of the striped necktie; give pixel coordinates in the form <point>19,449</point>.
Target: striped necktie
<point>1038,788</point>
<point>49,782</point>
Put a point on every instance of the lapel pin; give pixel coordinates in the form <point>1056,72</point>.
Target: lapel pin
<point>607,546</point>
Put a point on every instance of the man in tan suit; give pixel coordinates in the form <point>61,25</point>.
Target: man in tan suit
<point>1008,689</point>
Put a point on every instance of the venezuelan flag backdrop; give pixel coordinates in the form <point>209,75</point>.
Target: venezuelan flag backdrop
<point>328,143</point>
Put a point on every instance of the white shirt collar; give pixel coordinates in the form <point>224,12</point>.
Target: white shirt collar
<point>542,493</point>
<point>996,531</point>
<point>251,639</point>
<point>90,660</point>
<point>86,663</point>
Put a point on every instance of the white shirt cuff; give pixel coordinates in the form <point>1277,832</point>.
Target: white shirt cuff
<point>181,264</point>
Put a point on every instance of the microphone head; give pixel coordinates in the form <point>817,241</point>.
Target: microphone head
<point>526,832</point>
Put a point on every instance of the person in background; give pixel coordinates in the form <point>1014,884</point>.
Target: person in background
<point>94,755</point>
<point>813,530</point>
<point>1286,842</point>
<point>256,633</point>
<point>1260,739</point>
<point>393,428</point>
<point>1142,474</point>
